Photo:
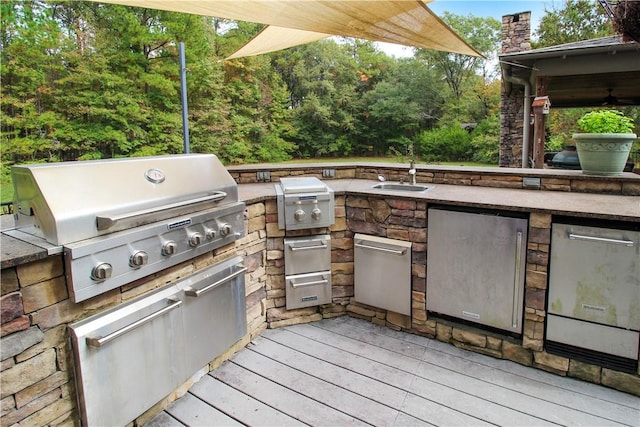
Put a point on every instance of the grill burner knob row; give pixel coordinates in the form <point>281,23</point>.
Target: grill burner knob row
<point>101,271</point>
<point>169,248</point>
<point>195,239</point>
<point>138,259</point>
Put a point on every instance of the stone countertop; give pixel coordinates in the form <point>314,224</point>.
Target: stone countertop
<point>588,205</point>
<point>599,206</point>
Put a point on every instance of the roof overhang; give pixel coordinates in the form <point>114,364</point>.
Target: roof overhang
<point>405,22</point>
<point>582,73</point>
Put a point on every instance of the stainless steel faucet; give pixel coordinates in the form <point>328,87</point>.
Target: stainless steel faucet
<point>412,172</point>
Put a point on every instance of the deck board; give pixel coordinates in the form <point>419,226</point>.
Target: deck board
<point>346,371</point>
<point>238,405</point>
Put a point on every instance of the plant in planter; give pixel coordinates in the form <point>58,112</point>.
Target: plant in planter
<point>604,147</point>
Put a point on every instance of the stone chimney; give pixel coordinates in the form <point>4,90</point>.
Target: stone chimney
<point>516,37</point>
<point>516,32</point>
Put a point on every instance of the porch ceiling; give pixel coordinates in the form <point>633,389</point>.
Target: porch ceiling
<point>583,73</point>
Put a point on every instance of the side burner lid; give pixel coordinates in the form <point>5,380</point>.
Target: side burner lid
<point>302,185</point>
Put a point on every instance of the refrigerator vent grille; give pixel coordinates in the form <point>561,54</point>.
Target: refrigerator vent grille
<point>593,357</point>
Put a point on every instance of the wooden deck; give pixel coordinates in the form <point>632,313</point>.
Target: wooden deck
<point>345,371</point>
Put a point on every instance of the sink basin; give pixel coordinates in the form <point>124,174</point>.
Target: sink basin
<point>396,186</point>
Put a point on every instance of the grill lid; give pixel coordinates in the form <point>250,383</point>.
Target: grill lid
<point>72,201</point>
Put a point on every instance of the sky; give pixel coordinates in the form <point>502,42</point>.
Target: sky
<point>484,8</point>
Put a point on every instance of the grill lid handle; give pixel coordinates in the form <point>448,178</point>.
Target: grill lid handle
<point>106,222</point>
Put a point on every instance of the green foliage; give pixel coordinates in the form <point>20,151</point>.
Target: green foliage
<point>82,80</point>
<point>447,143</point>
<point>605,121</point>
<point>554,143</point>
<point>576,20</point>
<point>485,140</point>
<point>482,33</point>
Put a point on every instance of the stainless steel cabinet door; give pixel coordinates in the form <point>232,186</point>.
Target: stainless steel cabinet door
<point>476,267</point>
<point>214,312</point>
<point>382,270</point>
<point>129,357</point>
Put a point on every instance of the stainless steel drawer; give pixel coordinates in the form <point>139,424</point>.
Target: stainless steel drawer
<point>307,254</point>
<point>594,275</point>
<point>592,336</point>
<point>306,290</point>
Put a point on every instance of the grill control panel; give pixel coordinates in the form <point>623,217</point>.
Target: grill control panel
<point>97,265</point>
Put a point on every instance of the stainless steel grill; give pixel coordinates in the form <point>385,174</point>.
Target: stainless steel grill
<point>119,220</point>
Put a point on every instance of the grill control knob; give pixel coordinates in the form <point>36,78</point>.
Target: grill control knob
<point>210,233</point>
<point>225,229</point>
<point>138,259</point>
<point>316,214</point>
<point>195,239</point>
<point>299,215</point>
<point>101,271</point>
<point>169,248</point>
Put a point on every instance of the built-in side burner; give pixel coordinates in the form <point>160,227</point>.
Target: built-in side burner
<point>303,203</point>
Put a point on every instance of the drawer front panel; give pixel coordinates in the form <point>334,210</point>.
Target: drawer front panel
<point>307,254</point>
<point>306,290</point>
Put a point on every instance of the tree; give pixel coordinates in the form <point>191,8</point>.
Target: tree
<point>577,20</point>
<point>322,79</point>
<point>30,61</point>
<point>482,33</point>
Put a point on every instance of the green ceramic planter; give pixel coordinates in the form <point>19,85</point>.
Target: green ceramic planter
<point>603,153</point>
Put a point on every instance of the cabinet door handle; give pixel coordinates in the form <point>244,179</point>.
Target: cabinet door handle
<point>322,245</point>
<point>573,236</point>
<point>516,281</point>
<point>196,293</point>
<point>315,282</point>
<point>100,341</point>
<point>376,248</point>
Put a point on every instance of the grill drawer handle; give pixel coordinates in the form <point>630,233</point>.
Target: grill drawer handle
<point>600,240</point>
<point>315,282</point>
<point>196,293</point>
<point>376,248</point>
<point>100,341</point>
<point>106,222</point>
<point>323,245</point>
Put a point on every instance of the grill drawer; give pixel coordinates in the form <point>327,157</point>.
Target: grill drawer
<point>307,254</point>
<point>306,290</point>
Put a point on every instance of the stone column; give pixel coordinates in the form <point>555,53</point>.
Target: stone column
<point>516,37</point>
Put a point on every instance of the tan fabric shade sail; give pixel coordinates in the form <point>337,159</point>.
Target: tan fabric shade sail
<point>273,38</point>
<point>405,22</point>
